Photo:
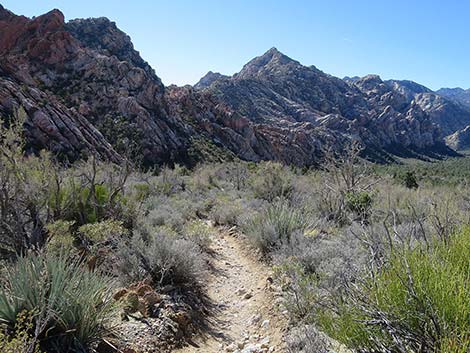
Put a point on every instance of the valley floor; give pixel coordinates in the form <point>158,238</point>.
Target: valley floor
<point>246,318</point>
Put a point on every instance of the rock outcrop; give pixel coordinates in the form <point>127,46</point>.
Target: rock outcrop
<point>459,140</point>
<point>207,79</point>
<point>449,114</point>
<point>84,88</point>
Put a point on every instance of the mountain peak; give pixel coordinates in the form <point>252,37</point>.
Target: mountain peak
<point>271,59</point>
<point>19,33</point>
<point>5,14</point>
<point>273,51</point>
<point>208,79</point>
<point>274,54</point>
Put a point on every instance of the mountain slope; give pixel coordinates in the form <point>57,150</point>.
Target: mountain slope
<point>276,90</point>
<point>56,70</point>
<point>459,140</point>
<point>459,95</point>
<point>87,91</point>
<point>449,114</point>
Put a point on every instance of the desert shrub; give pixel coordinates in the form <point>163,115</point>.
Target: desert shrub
<point>307,340</point>
<point>193,205</point>
<point>20,339</point>
<point>170,180</point>
<point>236,173</point>
<point>203,178</point>
<point>93,191</point>
<point>102,231</point>
<point>276,225</point>
<point>360,203</point>
<point>97,242</point>
<point>60,237</point>
<point>173,211</point>
<point>73,308</point>
<point>315,267</point>
<point>85,203</point>
<point>27,183</point>
<point>417,303</point>
<point>301,289</point>
<point>409,180</point>
<point>199,232</point>
<point>271,181</point>
<point>163,258</point>
<point>159,212</point>
<point>142,191</point>
<point>92,210</point>
<point>226,211</point>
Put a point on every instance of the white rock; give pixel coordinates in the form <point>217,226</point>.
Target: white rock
<point>264,343</point>
<point>265,324</point>
<point>252,348</point>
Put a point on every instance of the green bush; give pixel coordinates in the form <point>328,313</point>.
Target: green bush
<point>73,307</point>
<point>19,339</point>
<point>102,231</point>
<point>360,203</point>
<point>60,237</point>
<point>418,303</point>
<point>26,185</point>
<point>409,180</point>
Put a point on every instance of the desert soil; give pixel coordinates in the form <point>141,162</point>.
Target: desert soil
<point>246,318</point>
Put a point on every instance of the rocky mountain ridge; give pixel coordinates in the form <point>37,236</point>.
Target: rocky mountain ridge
<point>86,90</point>
<point>279,91</point>
<point>457,94</point>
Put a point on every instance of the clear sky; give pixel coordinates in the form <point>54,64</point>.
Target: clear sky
<point>425,41</point>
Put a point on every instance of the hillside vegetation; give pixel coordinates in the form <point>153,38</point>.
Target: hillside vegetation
<point>373,259</point>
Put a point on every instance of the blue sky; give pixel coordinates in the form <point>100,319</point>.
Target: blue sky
<point>425,41</point>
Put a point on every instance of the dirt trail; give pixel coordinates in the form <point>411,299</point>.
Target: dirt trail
<point>246,319</point>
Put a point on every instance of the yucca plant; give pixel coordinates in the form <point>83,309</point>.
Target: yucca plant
<point>73,307</point>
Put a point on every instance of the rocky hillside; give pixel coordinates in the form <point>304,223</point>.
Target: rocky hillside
<point>276,91</point>
<point>87,91</point>
<point>458,94</point>
<point>459,140</point>
<point>450,115</point>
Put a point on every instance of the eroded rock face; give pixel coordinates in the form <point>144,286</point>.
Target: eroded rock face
<point>208,79</point>
<point>84,77</point>
<point>459,140</point>
<point>449,114</point>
